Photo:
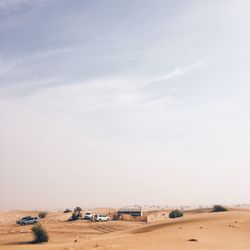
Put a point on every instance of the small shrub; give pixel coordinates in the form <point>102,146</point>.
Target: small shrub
<point>42,214</point>
<point>219,208</point>
<point>195,240</point>
<point>76,214</point>
<point>67,210</point>
<point>40,234</point>
<point>175,213</point>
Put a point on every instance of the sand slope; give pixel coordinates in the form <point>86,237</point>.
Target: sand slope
<point>229,230</point>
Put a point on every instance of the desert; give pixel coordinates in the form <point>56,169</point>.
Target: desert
<point>197,229</point>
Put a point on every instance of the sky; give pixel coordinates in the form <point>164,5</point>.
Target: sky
<point>114,103</point>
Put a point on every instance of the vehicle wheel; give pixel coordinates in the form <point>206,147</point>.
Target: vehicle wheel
<point>34,222</point>
<point>100,220</point>
<point>22,224</point>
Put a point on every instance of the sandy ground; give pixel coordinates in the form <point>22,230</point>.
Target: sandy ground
<point>196,230</point>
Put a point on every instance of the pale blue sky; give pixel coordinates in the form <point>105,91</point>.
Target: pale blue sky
<point>145,102</point>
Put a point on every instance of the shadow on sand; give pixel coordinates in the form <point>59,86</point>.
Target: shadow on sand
<point>22,243</point>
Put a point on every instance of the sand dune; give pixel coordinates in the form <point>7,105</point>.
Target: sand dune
<point>196,230</point>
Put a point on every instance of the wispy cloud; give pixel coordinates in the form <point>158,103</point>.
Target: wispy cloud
<point>181,71</point>
<point>16,66</point>
<point>110,93</point>
<point>128,84</point>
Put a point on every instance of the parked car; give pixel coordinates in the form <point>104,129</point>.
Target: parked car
<point>88,216</point>
<point>24,218</point>
<point>27,220</point>
<point>101,217</point>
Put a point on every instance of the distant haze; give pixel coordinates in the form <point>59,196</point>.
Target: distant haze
<point>113,103</point>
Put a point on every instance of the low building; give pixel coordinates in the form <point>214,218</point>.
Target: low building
<point>133,211</point>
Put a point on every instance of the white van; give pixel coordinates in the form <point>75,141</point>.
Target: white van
<point>101,217</point>
<point>88,216</point>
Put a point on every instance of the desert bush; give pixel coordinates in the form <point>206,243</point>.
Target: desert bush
<point>40,234</point>
<point>42,214</point>
<point>67,210</point>
<point>175,213</point>
<point>219,208</point>
<point>76,215</point>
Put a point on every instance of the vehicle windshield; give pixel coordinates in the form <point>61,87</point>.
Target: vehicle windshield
<point>27,217</point>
